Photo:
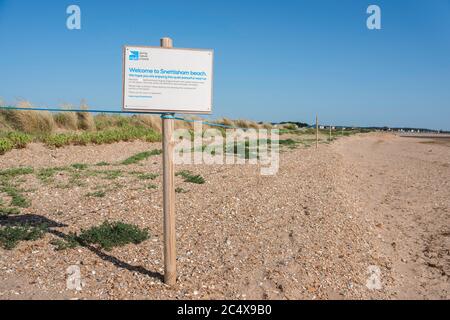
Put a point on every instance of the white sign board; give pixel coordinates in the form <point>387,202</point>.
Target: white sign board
<point>162,80</point>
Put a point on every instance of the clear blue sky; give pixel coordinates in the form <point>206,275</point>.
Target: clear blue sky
<point>274,60</point>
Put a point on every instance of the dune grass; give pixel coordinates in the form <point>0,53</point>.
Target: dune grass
<point>141,156</point>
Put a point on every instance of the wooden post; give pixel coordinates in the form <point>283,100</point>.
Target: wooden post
<point>317,132</point>
<point>330,132</point>
<point>170,257</point>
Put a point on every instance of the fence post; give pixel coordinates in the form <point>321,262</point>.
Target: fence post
<point>317,132</point>
<point>170,267</point>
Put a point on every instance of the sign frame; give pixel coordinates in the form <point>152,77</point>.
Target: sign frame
<point>164,111</point>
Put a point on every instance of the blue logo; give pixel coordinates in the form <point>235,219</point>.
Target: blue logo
<point>134,55</point>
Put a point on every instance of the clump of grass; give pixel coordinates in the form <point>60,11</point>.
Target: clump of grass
<point>152,186</point>
<point>97,194</point>
<point>19,140</point>
<point>180,190</point>
<point>288,143</point>
<point>147,176</point>
<point>46,174</point>
<point>189,177</point>
<point>4,212</point>
<point>113,234</point>
<point>68,242</point>
<point>141,156</point>
<point>28,121</point>
<point>17,199</point>
<point>66,120</point>
<point>5,145</point>
<point>109,174</point>
<point>102,164</point>
<point>79,166</point>
<point>13,172</point>
<point>10,236</point>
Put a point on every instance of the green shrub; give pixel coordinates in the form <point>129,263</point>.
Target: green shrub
<point>19,140</point>
<point>5,145</point>
<point>113,234</point>
<point>189,177</point>
<point>141,156</point>
<point>80,166</point>
<point>8,211</point>
<point>13,172</point>
<point>96,194</point>
<point>10,236</point>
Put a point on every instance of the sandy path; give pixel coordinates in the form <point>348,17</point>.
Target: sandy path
<point>404,185</point>
<point>310,232</point>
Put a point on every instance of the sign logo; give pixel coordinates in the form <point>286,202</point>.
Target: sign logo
<point>134,55</point>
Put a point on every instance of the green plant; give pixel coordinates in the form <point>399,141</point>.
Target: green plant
<point>147,176</point>
<point>8,211</point>
<point>13,172</point>
<point>68,242</point>
<point>102,164</point>
<point>152,186</point>
<point>113,234</point>
<point>97,194</point>
<point>5,145</point>
<point>180,190</point>
<point>17,199</point>
<point>141,156</point>
<point>19,139</point>
<point>47,174</point>
<point>79,166</point>
<point>10,236</point>
<point>189,177</point>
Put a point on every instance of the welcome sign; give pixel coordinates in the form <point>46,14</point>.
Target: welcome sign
<point>163,80</point>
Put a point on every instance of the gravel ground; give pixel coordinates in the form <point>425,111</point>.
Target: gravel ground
<point>310,232</point>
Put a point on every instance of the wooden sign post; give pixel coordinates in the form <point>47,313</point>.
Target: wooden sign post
<point>155,80</point>
<point>170,255</point>
<point>317,132</point>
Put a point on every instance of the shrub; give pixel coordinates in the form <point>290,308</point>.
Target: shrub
<point>19,139</point>
<point>85,119</point>
<point>8,211</point>
<point>10,236</point>
<point>141,156</point>
<point>16,171</point>
<point>189,177</point>
<point>5,145</point>
<point>113,234</point>
<point>66,120</point>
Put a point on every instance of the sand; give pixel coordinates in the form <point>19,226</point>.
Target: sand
<point>365,217</point>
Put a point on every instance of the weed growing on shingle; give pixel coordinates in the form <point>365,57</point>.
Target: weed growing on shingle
<point>152,186</point>
<point>79,166</point>
<point>180,190</point>
<point>141,156</point>
<point>96,194</point>
<point>10,236</point>
<point>14,172</point>
<point>189,177</point>
<point>102,164</point>
<point>68,242</point>
<point>17,199</point>
<point>113,234</point>
<point>147,176</point>
<point>4,212</point>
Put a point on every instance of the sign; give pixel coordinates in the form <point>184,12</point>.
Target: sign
<point>168,80</point>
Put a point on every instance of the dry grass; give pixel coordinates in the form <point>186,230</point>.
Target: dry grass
<point>40,122</point>
<point>66,120</point>
<point>85,119</point>
<point>153,122</point>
